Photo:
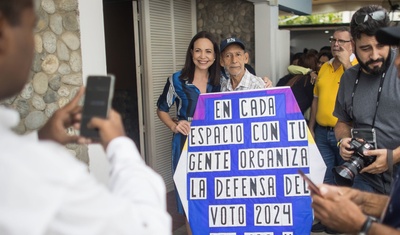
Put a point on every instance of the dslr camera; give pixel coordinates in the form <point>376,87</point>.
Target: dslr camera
<point>344,174</point>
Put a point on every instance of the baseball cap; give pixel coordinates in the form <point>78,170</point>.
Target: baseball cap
<point>388,35</point>
<point>229,41</point>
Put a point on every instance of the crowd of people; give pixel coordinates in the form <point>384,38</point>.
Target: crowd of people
<point>352,87</point>
<point>365,104</point>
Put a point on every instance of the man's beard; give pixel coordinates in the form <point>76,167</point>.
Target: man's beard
<point>375,70</point>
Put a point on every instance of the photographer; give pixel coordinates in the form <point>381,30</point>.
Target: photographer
<point>351,210</point>
<point>46,190</point>
<point>368,96</point>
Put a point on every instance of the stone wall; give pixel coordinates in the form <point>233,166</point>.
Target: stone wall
<point>56,73</point>
<point>228,18</point>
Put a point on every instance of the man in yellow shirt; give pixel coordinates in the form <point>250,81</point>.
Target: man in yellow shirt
<point>322,121</point>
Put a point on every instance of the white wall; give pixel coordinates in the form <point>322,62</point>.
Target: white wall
<point>93,62</point>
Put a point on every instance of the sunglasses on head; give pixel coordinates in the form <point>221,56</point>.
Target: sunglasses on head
<point>376,15</point>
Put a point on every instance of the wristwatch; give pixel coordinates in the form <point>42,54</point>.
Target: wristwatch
<point>367,225</point>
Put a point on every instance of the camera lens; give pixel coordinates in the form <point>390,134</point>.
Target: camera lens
<point>344,174</point>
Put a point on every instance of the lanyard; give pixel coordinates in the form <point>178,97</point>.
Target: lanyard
<point>377,99</point>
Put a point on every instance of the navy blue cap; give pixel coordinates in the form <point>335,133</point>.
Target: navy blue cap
<point>388,35</point>
<point>229,41</point>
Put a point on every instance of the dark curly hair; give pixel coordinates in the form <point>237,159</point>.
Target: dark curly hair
<point>370,26</point>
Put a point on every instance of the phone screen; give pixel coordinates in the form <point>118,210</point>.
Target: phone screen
<point>311,185</point>
<point>98,96</point>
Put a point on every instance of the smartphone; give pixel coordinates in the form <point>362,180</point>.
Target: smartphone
<point>311,185</point>
<point>97,103</point>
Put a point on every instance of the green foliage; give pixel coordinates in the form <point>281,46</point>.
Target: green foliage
<point>329,18</point>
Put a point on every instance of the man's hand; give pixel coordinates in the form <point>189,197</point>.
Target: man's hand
<point>68,116</point>
<point>109,128</point>
<point>344,149</point>
<point>380,164</point>
<point>343,55</point>
<point>268,83</point>
<point>337,208</point>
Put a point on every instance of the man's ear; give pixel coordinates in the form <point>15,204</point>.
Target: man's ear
<point>246,57</point>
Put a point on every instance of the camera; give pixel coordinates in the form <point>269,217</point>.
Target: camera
<point>344,174</point>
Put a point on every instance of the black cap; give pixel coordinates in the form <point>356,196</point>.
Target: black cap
<point>229,41</point>
<point>388,35</point>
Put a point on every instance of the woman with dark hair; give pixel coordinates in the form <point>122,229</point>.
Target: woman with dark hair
<point>301,85</point>
<point>201,74</point>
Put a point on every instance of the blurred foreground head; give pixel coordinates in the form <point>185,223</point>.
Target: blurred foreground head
<point>17,21</point>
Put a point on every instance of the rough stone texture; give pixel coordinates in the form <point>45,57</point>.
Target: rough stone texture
<point>56,69</point>
<point>50,96</point>
<point>55,82</point>
<point>63,101</point>
<point>64,69</point>
<point>76,61</point>
<point>49,42</point>
<point>82,154</point>
<point>37,62</point>
<point>66,5</point>
<point>63,91</point>
<point>22,107</point>
<point>38,44</point>
<point>9,101</point>
<point>56,24</point>
<point>50,64</point>
<point>27,92</point>
<point>71,40</point>
<point>72,79</point>
<point>43,20</point>
<point>228,18</point>
<point>38,103</point>
<point>51,108</point>
<point>73,93</point>
<point>62,51</point>
<point>70,21</point>
<point>20,128</point>
<point>35,120</point>
<point>40,83</point>
<point>49,6</point>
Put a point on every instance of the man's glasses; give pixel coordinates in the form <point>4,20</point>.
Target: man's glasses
<point>339,41</point>
<point>376,15</point>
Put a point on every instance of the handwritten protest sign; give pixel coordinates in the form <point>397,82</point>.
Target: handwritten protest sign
<point>238,171</point>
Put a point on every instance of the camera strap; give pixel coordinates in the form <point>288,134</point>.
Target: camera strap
<point>389,159</point>
<point>377,99</point>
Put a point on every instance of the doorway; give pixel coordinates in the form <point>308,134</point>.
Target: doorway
<point>119,30</point>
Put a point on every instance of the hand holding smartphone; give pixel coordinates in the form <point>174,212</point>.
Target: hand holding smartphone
<point>97,103</point>
<point>311,185</point>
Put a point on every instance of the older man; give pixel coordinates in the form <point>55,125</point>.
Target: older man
<point>233,59</point>
<point>322,121</point>
<point>326,87</point>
